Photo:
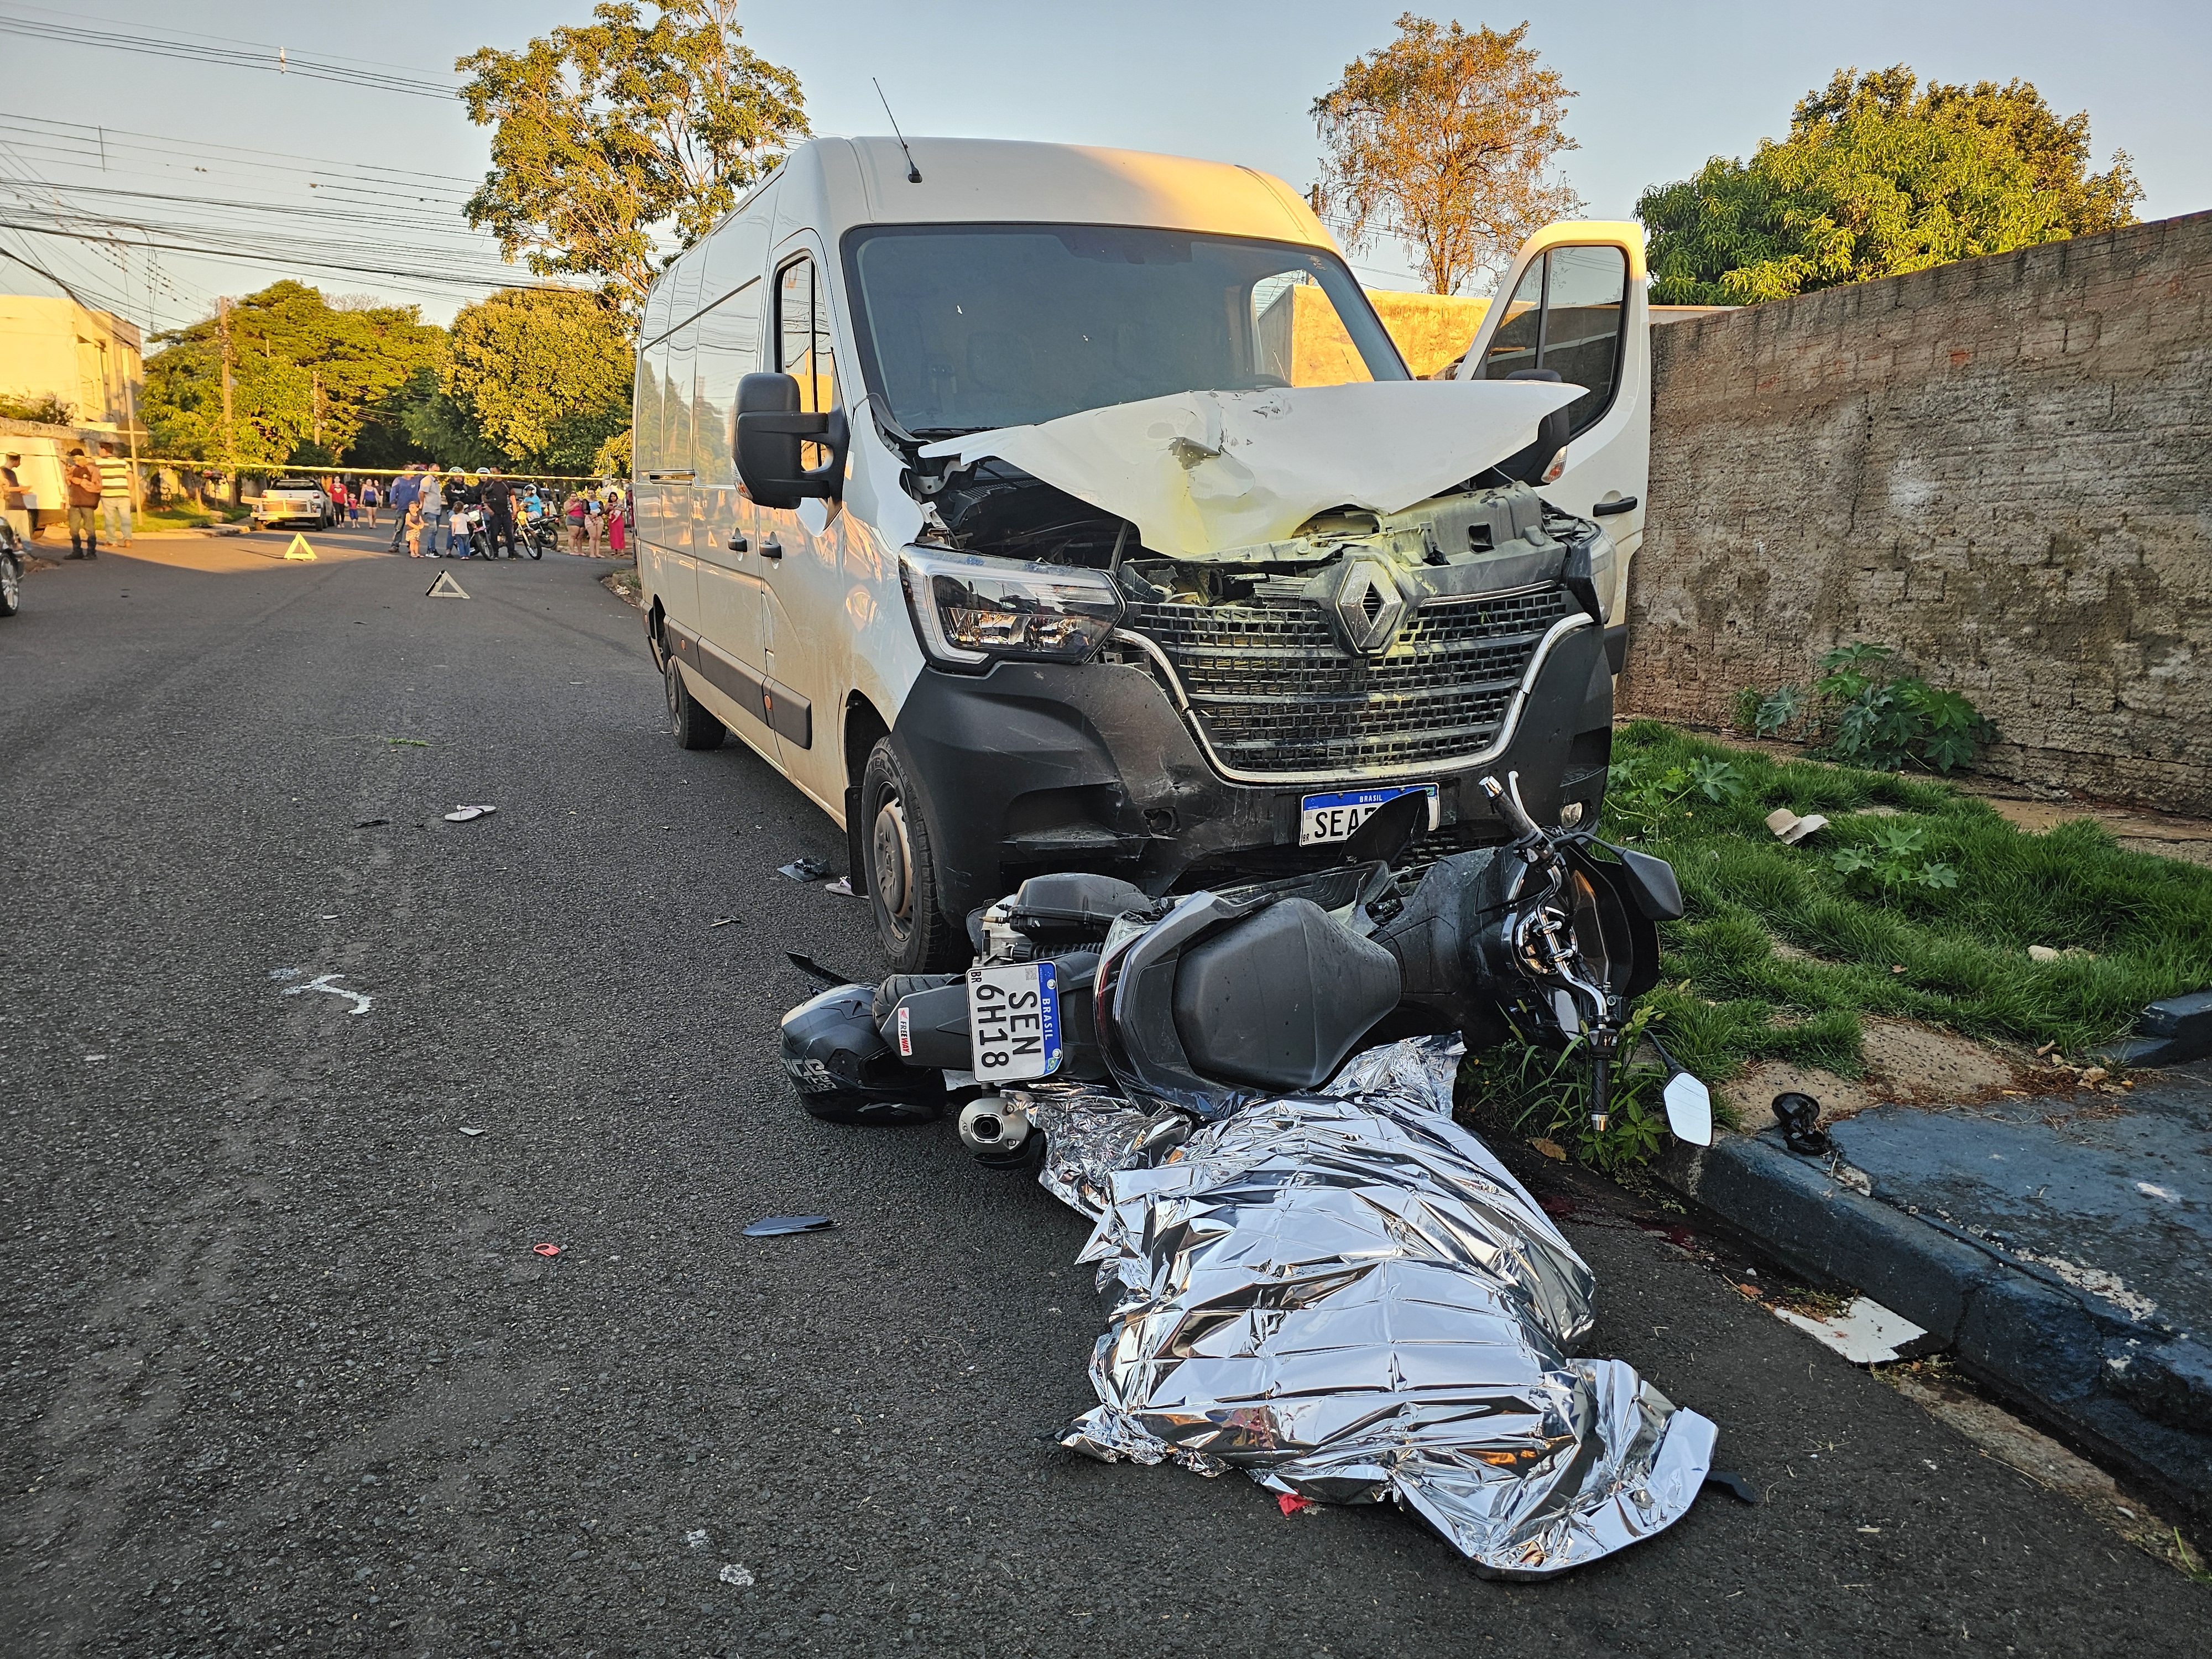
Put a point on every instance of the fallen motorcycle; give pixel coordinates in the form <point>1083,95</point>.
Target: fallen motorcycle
<point>1193,1006</point>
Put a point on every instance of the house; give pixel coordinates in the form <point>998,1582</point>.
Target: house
<point>68,375</point>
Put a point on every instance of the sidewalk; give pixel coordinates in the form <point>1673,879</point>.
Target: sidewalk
<point>2061,1245</point>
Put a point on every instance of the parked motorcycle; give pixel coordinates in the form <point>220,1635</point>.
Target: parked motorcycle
<point>1192,1005</point>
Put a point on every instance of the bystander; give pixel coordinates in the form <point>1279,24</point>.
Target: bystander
<point>117,488</point>
<point>12,501</point>
<point>81,479</point>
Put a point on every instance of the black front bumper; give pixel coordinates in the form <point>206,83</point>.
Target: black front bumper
<point>1038,766</point>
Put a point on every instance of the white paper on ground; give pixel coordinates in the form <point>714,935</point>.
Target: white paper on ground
<point>1200,471</point>
<point>1866,1333</point>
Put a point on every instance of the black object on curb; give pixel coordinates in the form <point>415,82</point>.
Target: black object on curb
<point>1799,1114</point>
<point>774,1226</point>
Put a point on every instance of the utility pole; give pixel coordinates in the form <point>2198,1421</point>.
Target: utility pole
<point>318,408</point>
<point>229,432</point>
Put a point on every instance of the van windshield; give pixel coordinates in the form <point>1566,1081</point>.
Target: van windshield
<point>965,328</point>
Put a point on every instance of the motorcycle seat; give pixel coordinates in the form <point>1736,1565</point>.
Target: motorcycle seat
<point>1277,998</point>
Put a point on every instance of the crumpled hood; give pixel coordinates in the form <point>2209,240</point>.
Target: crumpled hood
<point>1200,471</point>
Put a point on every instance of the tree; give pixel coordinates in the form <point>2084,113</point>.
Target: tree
<point>1443,139</point>
<point>1879,176</point>
<point>610,138</point>
<point>307,378</point>
<point>533,379</point>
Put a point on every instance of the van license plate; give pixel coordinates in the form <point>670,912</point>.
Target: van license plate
<point>1013,1021</point>
<point>1324,818</point>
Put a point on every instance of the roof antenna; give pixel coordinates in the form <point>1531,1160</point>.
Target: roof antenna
<point>913,172</point>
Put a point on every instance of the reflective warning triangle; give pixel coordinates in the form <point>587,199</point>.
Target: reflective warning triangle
<point>445,588</point>
<point>298,549</point>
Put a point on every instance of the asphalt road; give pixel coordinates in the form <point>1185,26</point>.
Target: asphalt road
<point>284,1377</point>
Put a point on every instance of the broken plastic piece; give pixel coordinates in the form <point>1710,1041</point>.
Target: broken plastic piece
<point>842,887</point>
<point>1733,1484</point>
<point>545,1250</point>
<point>372,824</point>
<point>809,868</point>
<point>472,1133</point>
<point>815,971</point>
<point>774,1226</point>
<point>463,814</point>
<point>726,921</point>
<point>1865,1333</point>
<point>736,1574</point>
<point>1799,1114</point>
<point>1292,1504</point>
<point>1791,829</point>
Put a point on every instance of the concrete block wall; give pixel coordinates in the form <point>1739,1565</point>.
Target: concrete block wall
<point>2001,467</point>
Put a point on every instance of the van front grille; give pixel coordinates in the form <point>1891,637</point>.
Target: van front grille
<point>1273,691</point>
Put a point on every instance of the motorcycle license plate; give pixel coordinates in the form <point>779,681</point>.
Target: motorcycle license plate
<point>1013,1021</point>
<point>1324,818</point>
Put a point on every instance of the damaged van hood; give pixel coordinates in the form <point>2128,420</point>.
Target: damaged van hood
<point>1203,472</point>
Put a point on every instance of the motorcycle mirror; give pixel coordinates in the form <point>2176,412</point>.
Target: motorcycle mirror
<point>1689,1110</point>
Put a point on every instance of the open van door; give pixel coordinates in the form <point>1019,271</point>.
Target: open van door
<point>1574,306</point>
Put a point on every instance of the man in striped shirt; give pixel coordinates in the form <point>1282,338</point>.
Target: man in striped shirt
<point>115,493</point>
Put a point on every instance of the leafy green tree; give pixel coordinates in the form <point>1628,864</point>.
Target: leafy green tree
<point>610,139</point>
<point>535,379</point>
<point>307,378</point>
<point>1881,176</point>
<point>1444,139</point>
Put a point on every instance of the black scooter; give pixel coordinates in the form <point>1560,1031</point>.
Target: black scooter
<point>1196,1005</point>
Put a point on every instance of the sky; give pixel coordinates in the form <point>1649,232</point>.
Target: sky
<point>370,165</point>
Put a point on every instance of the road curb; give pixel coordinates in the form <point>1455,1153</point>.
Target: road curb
<point>2119,1389</point>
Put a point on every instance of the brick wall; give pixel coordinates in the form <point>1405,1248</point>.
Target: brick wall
<point>2001,467</point>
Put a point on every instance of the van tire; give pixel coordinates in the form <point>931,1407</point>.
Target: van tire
<point>688,719</point>
<point>902,870</point>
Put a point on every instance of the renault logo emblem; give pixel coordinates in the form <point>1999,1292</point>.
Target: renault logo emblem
<point>1368,606</point>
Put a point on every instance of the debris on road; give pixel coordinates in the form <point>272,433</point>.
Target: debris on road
<point>463,814</point>
<point>372,824</point>
<point>321,982</point>
<point>695,1540</point>
<point>727,921</point>
<point>408,743</point>
<point>808,868</point>
<point>1292,1504</point>
<point>1799,1114</point>
<point>545,1250</point>
<point>1734,1484</point>
<point>842,887</point>
<point>1791,829</point>
<point>472,1133</point>
<point>1865,1333</point>
<point>736,1573</point>
<point>1350,1299</point>
<point>774,1226</point>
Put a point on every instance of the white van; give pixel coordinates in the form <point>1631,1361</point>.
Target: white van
<point>1033,508</point>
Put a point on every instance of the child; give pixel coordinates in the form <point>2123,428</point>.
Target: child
<point>414,528</point>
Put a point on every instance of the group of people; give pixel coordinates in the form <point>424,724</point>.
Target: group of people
<point>99,495</point>
<point>424,499</point>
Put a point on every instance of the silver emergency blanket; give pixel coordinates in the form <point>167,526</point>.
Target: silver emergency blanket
<point>1349,1299</point>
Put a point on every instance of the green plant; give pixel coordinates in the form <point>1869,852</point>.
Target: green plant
<point>1862,714</point>
<point>1896,861</point>
<point>1643,794</point>
<point>1544,1094</point>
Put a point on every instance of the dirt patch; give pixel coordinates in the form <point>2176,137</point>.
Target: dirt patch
<point>1907,1065</point>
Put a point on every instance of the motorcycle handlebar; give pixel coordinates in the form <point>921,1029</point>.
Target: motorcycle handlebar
<point>1507,799</point>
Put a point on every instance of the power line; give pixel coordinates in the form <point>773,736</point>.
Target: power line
<point>278,59</point>
<point>257,257</point>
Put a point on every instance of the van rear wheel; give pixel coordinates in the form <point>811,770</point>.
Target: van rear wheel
<point>688,719</point>
<point>902,889</point>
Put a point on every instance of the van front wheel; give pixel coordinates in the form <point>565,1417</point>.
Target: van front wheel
<point>901,870</point>
<point>689,721</point>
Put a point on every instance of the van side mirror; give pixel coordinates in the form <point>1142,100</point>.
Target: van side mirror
<point>770,430</point>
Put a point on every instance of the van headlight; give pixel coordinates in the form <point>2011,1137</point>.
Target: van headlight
<point>970,611</point>
<point>1593,567</point>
